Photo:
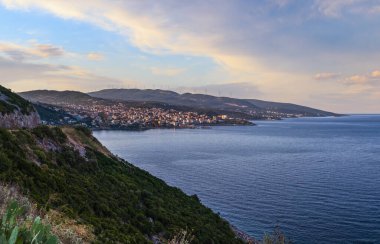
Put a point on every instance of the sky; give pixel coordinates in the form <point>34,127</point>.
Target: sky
<point>319,53</point>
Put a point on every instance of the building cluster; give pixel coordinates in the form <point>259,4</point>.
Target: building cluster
<point>122,116</point>
<point>274,115</point>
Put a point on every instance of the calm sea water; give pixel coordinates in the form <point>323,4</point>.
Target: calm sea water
<point>317,178</point>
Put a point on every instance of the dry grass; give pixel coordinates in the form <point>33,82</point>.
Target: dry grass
<point>67,230</point>
<point>182,237</point>
<point>77,139</point>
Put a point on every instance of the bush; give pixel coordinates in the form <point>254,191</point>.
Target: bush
<point>277,237</point>
<point>12,231</point>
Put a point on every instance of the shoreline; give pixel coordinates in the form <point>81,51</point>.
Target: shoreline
<point>208,126</point>
<point>243,236</point>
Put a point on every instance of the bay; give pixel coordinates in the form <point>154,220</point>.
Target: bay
<point>317,178</point>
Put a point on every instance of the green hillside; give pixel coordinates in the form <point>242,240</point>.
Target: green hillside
<point>68,170</point>
<point>247,106</point>
<point>9,102</point>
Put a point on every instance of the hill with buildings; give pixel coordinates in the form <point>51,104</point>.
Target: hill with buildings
<point>246,109</point>
<point>99,113</point>
<point>250,107</point>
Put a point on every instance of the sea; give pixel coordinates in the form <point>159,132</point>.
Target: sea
<point>317,179</point>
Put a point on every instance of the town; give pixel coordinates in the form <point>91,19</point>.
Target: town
<point>122,116</point>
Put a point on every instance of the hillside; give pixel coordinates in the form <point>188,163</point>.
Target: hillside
<point>60,97</point>
<point>11,102</point>
<point>16,112</point>
<point>53,97</point>
<point>74,99</point>
<point>200,103</point>
<point>248,106</point>
<point>68,170</point>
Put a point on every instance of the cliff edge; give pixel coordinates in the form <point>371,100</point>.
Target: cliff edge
<point>16,112</point>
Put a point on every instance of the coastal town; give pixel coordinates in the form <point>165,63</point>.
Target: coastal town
<point>121,116</point>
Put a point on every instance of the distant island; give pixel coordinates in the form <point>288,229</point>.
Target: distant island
<point>134,109</point>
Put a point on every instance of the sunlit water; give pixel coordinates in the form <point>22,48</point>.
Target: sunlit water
<point>317,178</point>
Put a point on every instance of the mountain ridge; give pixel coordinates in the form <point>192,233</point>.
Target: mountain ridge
<point>248,106</point>
<point>240,108</point>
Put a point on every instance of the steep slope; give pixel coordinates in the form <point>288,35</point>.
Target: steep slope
<point>248,106</point>
<point>16,112</point>
<point>52,97</point>
<point>70,171</point>
<point>60,97</point>
<point>289,108</point>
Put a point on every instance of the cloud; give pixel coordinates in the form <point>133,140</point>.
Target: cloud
<point>23,76</point>
<point>46,50</point>
<point>274,46</point>
<point>326,76</point>
<point>375,74</point>
<point>333,8</point>
<point>22,68</point>
<point>363,79</point>
<point>34,51</point>
<point>336,8</point>
<point>94,56</point>
<point>358,79</point>
<point>166,71</point>
<point>235,34</point>
<point>366,84</point>
<point>157,29</point>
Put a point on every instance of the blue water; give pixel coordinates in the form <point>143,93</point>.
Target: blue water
<point>317,178</point>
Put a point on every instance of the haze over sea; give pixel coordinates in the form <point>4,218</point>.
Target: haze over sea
<point>317,178</point>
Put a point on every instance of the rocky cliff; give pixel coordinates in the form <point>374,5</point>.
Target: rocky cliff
<point>16,112</point>
<point>19,120</point>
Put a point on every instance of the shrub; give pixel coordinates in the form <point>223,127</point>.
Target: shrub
<point>13,231</point>
<point>277,237</point>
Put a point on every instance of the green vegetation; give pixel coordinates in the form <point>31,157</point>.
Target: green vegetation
<point>277,237</point>
<point>69,171</point>
<point>11,231</point>
<point>65,229</point>
<point>13,102</point>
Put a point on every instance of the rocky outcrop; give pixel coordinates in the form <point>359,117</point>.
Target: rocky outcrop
<point>18,120</point>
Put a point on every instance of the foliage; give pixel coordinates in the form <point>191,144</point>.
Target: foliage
<point>13,102</point>
<point>183,237</point>
<point>123,203</point>
<point>67,230</point>
<point>86,131</point>
<point>12,232</point>
<point>277,237</point>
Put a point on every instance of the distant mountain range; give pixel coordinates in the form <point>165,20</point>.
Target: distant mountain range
<point>243,108</point>
<point>248,106</point>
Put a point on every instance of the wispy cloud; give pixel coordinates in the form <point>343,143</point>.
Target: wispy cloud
<point>166,71</point>
<point>24,76</point>
<point>357,79</point>
<point>362,83</point>
<point>375,74</point>
<point>94,56</point>
<point>336,8</point>
<point>326,76</point>
<point>33,51</point>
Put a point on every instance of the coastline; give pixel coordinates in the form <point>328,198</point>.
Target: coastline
<point>243,236</point>
<point>204,126</point>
